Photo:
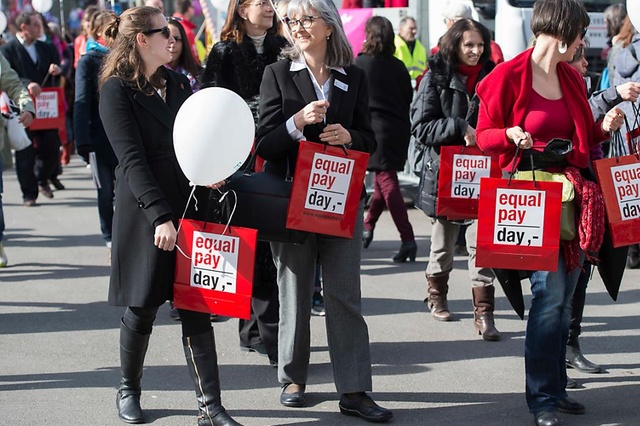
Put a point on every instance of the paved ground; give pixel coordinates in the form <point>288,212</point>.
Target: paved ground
<point>59,356</point>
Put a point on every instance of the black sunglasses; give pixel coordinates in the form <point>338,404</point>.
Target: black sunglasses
<point>165,31</point>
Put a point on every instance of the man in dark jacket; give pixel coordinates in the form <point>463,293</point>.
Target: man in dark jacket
<point>34,61</point>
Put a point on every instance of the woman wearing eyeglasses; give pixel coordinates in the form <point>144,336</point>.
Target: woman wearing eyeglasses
<point>317,95</point>
<point>139,99</point>
<point>248,43</point>
<point>525,103</point>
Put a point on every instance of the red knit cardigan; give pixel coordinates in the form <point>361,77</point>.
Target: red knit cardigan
<point>504,99</point>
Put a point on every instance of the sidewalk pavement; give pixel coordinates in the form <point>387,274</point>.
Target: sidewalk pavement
<point>59,339</point>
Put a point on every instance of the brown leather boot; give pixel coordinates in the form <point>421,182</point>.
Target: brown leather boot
<point>484,302</point>
<point>437,298</point>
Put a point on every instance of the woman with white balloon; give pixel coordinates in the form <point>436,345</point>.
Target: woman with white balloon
<point>139,99</point>
<point>248,43</point>
<point>317,95</point>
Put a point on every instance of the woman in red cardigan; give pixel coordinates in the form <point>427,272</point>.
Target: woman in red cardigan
<point>525,103</point>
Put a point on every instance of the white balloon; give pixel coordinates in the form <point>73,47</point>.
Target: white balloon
<point>42,6</point>
<point>3,22</point>
<point>633,10</point>
<point>221,5</point>
<point>213,135</point>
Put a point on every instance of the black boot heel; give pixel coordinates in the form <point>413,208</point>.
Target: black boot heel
<point>408,250</point>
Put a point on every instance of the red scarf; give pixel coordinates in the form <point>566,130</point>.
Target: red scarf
<point>471,72</point>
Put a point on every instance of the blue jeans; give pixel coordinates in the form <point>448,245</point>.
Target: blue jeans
<point>1,211</point>
<point>546,336</point>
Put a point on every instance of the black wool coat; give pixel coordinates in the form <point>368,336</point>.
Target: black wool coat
<point>150,187</point>
<point>238,66</point>
<point>390,95</point>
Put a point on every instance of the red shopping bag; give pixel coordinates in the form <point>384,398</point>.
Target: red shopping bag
<point>619,178</point>
<point>327,186</point>
<point>461,169</point>
<point>214,269</point>
<point>50,110</point>
<point>519,224</point>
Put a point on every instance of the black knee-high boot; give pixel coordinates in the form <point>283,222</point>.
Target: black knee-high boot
<point>202,360</point>
<point>133,348</point>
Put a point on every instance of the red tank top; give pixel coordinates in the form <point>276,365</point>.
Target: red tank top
<point>547,119</point>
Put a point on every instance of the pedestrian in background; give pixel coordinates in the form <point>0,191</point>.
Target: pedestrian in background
<point>390,95</point>
<point>248,43</point>
<point>443,113</point>
<point>91,140</point>
<point>10,83</point>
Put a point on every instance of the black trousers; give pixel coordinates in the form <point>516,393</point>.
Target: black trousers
<point>25,171</point>
<point>263,325</point>
<point>47,145</point>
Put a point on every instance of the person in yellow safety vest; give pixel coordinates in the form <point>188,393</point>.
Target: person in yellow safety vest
<point>409,49</point>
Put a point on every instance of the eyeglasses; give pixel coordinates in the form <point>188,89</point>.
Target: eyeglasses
<point>583,33</point>
<point>165,31</point>
<point>262,4</point>
<point>304,22</point>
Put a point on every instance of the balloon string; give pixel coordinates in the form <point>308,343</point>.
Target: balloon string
<point>184,213</point>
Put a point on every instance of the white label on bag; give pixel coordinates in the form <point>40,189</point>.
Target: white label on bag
<point>214,261</point>
<point>466,173</point>
<point>519,217</point>
<point>47,105</point>
<point>626,182</point>
<point>329,183</point>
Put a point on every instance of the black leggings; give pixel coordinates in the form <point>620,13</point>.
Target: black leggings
<point>141,320</point>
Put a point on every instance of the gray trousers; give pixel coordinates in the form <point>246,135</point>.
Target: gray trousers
<point>347,333</point>
<point>443,240</point>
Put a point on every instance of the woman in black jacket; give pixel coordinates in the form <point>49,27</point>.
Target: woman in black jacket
<point>139,100</point>
<point>248,43</point>
<point>443,114</point>
<point>89,132</point>
<point>390,96</point>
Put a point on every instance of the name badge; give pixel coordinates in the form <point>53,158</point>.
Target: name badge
<point>340,85</point>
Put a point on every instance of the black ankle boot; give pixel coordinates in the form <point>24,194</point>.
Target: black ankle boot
<point>367,237</point>
<point>133,348</point>
<point>202,360</point>
<point>408,250</point>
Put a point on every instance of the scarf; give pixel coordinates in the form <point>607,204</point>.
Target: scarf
<point>98,46</point>
<point>471,72</point>
<point>590,223</point>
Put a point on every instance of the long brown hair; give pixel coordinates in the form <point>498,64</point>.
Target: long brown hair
<point>123,60</point>
<point>233,28</point>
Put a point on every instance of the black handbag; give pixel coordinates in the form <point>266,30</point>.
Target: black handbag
<point>261,201</point>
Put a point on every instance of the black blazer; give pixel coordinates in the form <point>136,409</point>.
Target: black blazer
<point>284,92</point>
<point>21,62</point>
<point>150,187</point>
